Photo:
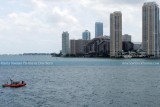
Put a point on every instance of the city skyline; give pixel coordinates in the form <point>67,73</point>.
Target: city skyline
<point>36,25</point>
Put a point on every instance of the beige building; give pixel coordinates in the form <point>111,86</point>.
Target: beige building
<point>150,29</point>
<point>115,34</point>
<point>77,46</point>
<point>72,46</point>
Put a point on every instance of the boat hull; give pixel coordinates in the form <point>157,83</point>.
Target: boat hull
<point>14,85</point>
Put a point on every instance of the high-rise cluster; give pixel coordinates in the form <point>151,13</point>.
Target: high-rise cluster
<point>117,45</point>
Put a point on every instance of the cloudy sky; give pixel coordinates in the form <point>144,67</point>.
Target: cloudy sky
<point>37,25</point>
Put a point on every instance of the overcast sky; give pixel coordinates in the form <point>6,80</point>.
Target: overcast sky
<point>37,25</point>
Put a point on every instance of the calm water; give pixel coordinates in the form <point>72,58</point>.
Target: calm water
<point>81,82</point>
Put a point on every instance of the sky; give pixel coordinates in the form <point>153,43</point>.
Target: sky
<point>36,26</point>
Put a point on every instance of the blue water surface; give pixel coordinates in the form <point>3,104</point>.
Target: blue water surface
<point>81,82</point>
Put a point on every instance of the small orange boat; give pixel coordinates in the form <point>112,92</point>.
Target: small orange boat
<point>15,84</point>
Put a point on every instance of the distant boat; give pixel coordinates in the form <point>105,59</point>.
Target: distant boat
<point>14,84</point>
<point>127,56</point>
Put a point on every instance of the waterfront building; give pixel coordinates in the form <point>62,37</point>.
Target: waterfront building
<point>127,46</point>
<point>150,29</point>
<point>115,34</point>
<point>126,38</point>
<point>98,29</point>
<point>137,46</point>
<point>65,43</point>
<point>99,46</point>
<point>86,35</point>
<point>77,47</point>
<point>73,47</point>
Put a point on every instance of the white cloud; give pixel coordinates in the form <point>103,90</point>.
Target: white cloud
<point>65,14</point>
<point>39,3</point>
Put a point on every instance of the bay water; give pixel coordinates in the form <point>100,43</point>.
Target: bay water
<point>79,82</point>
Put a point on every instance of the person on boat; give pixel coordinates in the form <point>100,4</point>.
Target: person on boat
<point>22,82</point>
<point>11,81</point>
<point>14,82</point>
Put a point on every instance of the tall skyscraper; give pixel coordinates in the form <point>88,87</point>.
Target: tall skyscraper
<point>65,43</point>
<point>159,37</point>
<point>98,29</point>
<point>150,28</point>
<point>115,34</point>
<point>86,35</point>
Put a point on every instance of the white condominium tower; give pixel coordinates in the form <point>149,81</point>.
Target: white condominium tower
<point>115,34</point>
<point>150,29</point>
<point>65,43</point>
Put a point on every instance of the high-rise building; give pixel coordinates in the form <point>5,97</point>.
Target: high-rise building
<point>98,29</point>
<point>150,28</point>
<point>65,43</point>
<point>115,34</point>
<point>86,35</point>
<point>126,38</point>
<point>159,37</point>
<point>73,46</point>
